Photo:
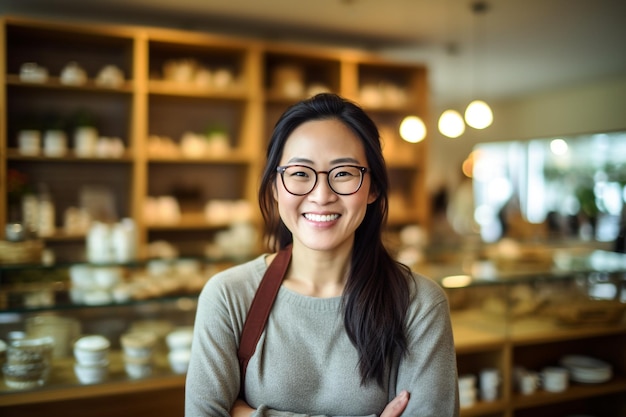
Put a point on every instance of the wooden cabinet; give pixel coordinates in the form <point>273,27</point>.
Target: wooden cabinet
<point>179,86</point>
<point>507,342</point>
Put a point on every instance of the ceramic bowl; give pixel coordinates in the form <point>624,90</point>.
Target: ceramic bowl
<point>30,350</point>
<point>179,360</point>
<point>180,338</point>
<point>92,350</point>
<point>91,374</point>
<point>24,376</point>
<point>138,344</point>
<point>136,370</point>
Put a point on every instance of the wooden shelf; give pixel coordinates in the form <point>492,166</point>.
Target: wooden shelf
<point>574,392</point>
<point>63,384</point>
<point>233,157</point>
<point>189,221</point>
<point>484,408</point>
<point>169,88</point>
<point>15,155</point>
<point>54,83</point>
<point>530,331</point>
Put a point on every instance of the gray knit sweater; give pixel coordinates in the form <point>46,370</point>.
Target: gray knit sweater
<point>304,363</point>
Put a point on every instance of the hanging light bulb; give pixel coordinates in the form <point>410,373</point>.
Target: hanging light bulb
<point>412,129</point>
<point>478,115</point>
<point>451,124</point>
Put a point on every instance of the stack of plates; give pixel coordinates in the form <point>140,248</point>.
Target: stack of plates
<point>586,369</point>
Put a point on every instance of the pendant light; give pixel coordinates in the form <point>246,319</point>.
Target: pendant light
<point>412,129</point>
<point>478,113</point>
<point>451,124</point>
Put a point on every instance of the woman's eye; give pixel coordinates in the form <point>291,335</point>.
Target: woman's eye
<point>344,174</point>
<point>300,174</point>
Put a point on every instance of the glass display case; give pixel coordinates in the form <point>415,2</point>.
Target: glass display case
<point>526,320</point>
<point>512,319</point>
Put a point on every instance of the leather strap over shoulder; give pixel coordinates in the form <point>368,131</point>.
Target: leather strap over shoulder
<point>260,310</point>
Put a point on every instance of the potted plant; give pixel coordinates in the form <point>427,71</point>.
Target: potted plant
<point>85,134</point>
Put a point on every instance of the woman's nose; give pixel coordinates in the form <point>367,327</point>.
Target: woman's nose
<point>322,190</point>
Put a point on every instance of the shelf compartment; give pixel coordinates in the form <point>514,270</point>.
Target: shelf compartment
<point>391,88</point>
<point>198,64</point>
<point>54,46</point>
<point>313,73</point>
<point>37,108</point>
<point>172,117</point>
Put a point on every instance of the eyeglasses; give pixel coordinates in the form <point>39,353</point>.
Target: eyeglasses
<point>301,179</point>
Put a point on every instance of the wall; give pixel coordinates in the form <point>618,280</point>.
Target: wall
<point>595,107</point>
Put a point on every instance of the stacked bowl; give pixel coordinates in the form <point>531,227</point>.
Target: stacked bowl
<point>138,353</point>
<point>179,344</point>
<point>28,362</point>
<point>92,359</point>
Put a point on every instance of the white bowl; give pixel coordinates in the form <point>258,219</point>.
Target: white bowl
<point>138,344</point>
<point>81,276</point>
<point>91,374</point>
<point>107,277</point>
<point>180,338</point>
<point>92,350</point>
<point>179,360</point>
<point>138,370</point>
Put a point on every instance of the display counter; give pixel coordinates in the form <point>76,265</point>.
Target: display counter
<point>505,318</point>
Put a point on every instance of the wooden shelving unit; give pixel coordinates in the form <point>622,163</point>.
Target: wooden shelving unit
<point>148,103</point>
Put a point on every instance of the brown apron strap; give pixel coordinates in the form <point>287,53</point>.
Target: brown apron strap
<point>260,310</point>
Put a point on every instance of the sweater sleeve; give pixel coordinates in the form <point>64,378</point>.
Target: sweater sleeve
<point>212,383</point>
<point>429,369</point>
<point>263,411</point>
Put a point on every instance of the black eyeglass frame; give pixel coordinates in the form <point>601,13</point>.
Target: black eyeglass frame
<point>281,170</point>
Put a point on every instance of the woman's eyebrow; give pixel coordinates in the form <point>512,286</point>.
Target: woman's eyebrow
<point>344,160</point>
<point>300,160</point>
<point>333,162</point>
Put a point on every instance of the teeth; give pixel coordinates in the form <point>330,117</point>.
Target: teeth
<point>321,217</point>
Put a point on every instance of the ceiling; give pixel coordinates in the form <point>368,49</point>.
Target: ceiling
<point>514,48</point>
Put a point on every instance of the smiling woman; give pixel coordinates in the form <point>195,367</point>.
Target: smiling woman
<point>351,331</point>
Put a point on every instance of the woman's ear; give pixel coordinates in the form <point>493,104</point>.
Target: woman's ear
<point>373,196</point>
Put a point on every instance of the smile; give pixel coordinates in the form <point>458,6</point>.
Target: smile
<point>321,217</point>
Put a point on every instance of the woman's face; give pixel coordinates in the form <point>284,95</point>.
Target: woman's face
<point>323,220</point>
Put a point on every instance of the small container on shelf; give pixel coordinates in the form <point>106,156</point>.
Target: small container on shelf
<point>92,350</point>
<point>54,143</point>
<point>179,360</point>
<point>138,345</point>
<point>110,76</point>
<point>29,142</point>
<point>31,72</point>
<point>92,359</point>
<point>137,368</point>
<point>73,74</point>
<point>91,374</point>
<point>28,362</point>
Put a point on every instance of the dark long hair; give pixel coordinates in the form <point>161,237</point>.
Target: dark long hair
<point>376,296</point>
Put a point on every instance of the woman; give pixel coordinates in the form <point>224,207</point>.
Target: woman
<point>351,332</point>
